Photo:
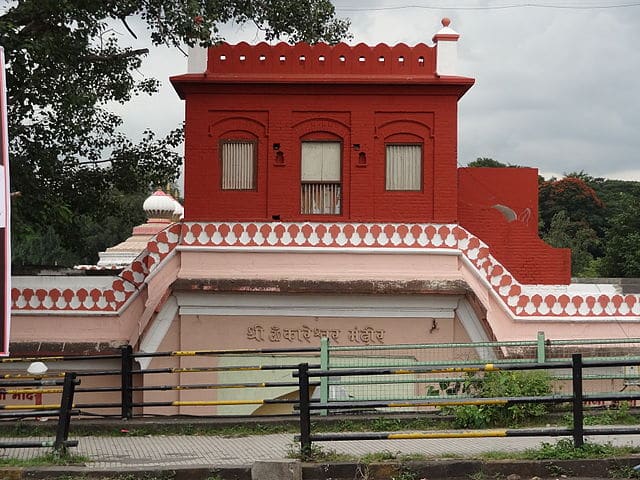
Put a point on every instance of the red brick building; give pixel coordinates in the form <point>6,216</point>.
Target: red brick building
<point>350,134</point>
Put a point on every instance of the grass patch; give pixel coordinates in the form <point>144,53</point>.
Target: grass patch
<point>564,450</point>
<point>405,475</point>
<point>239,429</point>
<point>27,429</point>
<point>379,457</point>
<point>127,476</point>
<point>387,456</point>
<point>116,429</point>
<point>380,424</point>
<point>44,460</point>
<point>319,454</point>
<point>234,430</point>
<point>625,471</point>
<point>619,414</point>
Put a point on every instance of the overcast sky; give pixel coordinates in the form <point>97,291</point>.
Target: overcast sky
<point>556,88</point>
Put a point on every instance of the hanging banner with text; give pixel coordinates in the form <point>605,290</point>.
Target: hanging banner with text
<point>5,211</point>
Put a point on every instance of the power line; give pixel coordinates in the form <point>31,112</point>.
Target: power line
<point>490,7</point>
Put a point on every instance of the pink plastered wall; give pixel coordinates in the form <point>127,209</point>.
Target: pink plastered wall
<point>303,265</point>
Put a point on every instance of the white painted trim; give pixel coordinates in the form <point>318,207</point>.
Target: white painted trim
<point>125,305</point>
<point>567,319</point>
<point>302,305</point>
<point>487,284</point>
<point>447,57</point>
<point>65,313</point>
<point>197,59</point>
<point>158,329</point>
<point>474,328</point>
<point>540,318</point>
<point>471,322</point>
<point>160,266</point>
<point>146,281</point>
<point>359,250</point>
<point>323,312</point>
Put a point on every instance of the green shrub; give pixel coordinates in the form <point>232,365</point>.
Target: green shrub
<point>503,384</point>
<point>565,450</point>
<point>619,414</point>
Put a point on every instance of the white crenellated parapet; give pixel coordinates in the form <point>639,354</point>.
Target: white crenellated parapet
<point>446,41</point>
<point>197,60</point>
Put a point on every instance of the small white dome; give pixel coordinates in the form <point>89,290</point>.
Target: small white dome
<point>159,205</point>
<point>178,212</point>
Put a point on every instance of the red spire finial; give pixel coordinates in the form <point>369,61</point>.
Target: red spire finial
<point>446,22</point>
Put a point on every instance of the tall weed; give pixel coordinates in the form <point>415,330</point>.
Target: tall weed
<point>500,385</point>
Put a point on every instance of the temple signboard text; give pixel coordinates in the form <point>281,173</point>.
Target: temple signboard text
<point>305,334</point>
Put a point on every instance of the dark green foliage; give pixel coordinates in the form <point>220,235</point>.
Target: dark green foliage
<point>622,248</point>
<point>598,219</point>
<point>564,449</point>
<point>576,198</point>
<point>487,162</point>
<point>579,237</point>
<point>619,414</point>
<point>490,163</point>
<point>81,180</point>
<point>503,384</point>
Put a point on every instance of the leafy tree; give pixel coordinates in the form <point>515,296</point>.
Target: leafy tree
<point>487,162</point>
<point>582,175</point>
<point>579,237</point>
<point>75,170</point>
<point>576,198</point>
<point>614,194</point>
<point>611,217</point>
<point>622,252</point>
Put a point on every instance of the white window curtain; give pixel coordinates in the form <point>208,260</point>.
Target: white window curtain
<point>404,167</point>
<point>321,173</point>
<point>238,165</point>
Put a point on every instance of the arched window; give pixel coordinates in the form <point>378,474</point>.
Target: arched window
<point>238,160</point>
<point>403,166</point>
<point>404,162</point>
<point>321,177</point>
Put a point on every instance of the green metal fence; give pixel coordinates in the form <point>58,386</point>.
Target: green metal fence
<point>417,385</point>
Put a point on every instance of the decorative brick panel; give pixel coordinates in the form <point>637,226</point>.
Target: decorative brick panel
<point>540,301</point>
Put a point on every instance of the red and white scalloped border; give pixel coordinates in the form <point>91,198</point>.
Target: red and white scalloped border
<point>109,300</point>
<point>545,303</point>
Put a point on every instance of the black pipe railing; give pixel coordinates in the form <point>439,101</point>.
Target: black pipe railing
<point>127,374</point>
<point>576,399</point>
<point>64,412</point>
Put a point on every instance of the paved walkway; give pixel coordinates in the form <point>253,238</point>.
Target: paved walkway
<point>189,450</point>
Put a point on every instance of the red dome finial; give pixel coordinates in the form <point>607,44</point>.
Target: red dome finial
<point>446,22</point>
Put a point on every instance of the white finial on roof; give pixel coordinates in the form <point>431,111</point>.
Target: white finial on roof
<point>197,60</point>
<point>159,205</point>
<point>446,41</point>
